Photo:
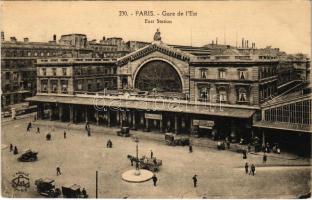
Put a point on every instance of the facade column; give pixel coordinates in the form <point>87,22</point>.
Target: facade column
<point>121,118</point>
<point>133,120</point>
<point>146,124</point>
<point>175,123</point>
<point>108,117</point>
<point>60,112</point>
<point>86,113</point>
<point>263,137</point>
<point>50,112</point>
<point>118,117</point>
<point>161,125</point>
<point>97,117</point>
<point>71,113</point>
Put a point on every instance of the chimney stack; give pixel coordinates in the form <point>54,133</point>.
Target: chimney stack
<point>103,38</point>
<point>247,44</point>
<point>212,42</point>
<point>2,36</point>
<point>26,39</point>
<point>13,39</point>
<point>242,42</point>
<point>54,38</point>
<point>216,41</point>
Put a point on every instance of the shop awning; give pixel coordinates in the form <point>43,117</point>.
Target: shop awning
<point>283,126</point>
<point>148,105</point>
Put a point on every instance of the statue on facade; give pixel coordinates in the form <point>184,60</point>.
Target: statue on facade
<point>157,36</point>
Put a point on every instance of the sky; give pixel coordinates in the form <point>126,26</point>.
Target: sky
<point>280,24</point>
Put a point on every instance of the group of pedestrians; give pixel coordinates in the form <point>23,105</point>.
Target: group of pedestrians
<point>13,149</point>
<point>252,169</point>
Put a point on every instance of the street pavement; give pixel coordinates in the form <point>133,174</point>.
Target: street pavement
<point>221,174</point>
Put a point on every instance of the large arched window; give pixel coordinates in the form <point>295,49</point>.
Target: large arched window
<point>160,76</point>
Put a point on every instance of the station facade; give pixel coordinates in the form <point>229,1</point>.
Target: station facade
<point>158,88</point>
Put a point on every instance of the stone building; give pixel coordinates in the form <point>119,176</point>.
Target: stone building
<point>159,88</point>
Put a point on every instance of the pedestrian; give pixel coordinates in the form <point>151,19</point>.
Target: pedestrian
<point>15,151</point>
<point>84,193</point>
<point>28,126</point>
<point>154,180</point>
<point>64,134</point>
<point>195,180</point>
<point>253,169</point>
<point>246,167</point>
<point>190,148</point>
<point>48,136</point>
<point>264,158</point>
<point>35,118</point>
<point>244,154</point>
<point>152,153</point>
<point>11,147</point>
<point>38,130</point>
<point>58,171</point>
<point>89,132</point>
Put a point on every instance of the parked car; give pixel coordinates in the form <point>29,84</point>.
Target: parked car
<point>28,156</point>
<point>174,139</point>
<point>124,132</point>
<point>73,191</point>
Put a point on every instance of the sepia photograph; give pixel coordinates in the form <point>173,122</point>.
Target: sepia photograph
<point>156,99</point>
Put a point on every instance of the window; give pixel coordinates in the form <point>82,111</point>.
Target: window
<point>7,75</point>
<point>242,95</point>
<point>44,86</point>
<point>89,85</point>
<point>44,71</point>
<point>64,86</point>
<point>203,73</point>
<point>28,53</point>
<point>48,54</point>
<point>41,54</point>
<point>222,94</point>
<point>54,71</point>
<point>36,54</point>
<point>203,94</point>
<point>64,70</point>
<point>54,86</point>
<point>15,76</point>
<point>242,74</point>
<point>221,73</point>
<point>79,85</point>
<point>98,84</point>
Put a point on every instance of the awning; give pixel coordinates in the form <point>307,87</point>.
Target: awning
<point>148,105</point>
<point>283,126</point>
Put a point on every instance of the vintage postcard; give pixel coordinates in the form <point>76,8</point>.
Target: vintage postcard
<point>156,99</point>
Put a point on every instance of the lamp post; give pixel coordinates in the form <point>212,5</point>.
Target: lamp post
<point>137,166</point>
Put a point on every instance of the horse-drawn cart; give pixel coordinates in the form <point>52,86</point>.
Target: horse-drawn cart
<point>151,164</point>
<point>174,139</point>
<point>46,187</point>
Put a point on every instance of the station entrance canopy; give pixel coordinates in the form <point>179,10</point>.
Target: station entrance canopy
<point>116,103</point>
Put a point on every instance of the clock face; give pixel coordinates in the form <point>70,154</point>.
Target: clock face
<point>160,76</point>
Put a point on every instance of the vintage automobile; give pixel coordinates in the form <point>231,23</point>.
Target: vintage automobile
<point>124,132</point>
<point>28,156</point>
<point>46,187</point>
<point>174,139</point>
<point>73,191</point>
<point>151,164</point>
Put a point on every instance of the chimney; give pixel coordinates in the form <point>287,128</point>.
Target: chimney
<point>54,37</point>
<point>26,39</point>
<point>103,38</point>
<point>2,36</point>
<point>247,44</point>
<point>216,41</point>
<point>242,42</point>
<point>13,39</point>
<point>212,42</point>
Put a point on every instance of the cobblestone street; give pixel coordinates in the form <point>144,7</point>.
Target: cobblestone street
<point>221,174</point>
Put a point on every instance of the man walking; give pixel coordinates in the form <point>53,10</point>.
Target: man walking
<point>246,167</point>
<point>38,130</point>
<point>11,147</point>
<point>28,126</point>
<point>154,180</point>
<point>15,151</point>
<point>64,134</point>
<point>58,171</point>
<point>152,153</point>
<point>190,148</point>
<point>264,158</point>
<point>253,169</point>
<point>195,180</point>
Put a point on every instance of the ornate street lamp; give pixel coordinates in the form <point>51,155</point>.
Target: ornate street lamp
<point>137,166</point>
